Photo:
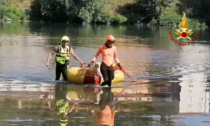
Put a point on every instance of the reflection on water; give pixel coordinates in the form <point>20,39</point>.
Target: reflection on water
<point>78,105</point>
<point>153,103</point>
<point>194,98</point>
<point>169,86</point>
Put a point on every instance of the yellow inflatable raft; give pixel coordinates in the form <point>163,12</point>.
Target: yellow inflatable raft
<point>86,76</point>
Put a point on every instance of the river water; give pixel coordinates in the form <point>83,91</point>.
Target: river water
<point>169,86</point>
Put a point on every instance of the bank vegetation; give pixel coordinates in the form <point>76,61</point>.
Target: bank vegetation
<point>142,12</point>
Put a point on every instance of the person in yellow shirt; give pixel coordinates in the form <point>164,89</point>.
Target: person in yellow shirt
<point>62,58</point>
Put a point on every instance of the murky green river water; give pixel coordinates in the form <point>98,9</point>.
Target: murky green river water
<point>171,88</point>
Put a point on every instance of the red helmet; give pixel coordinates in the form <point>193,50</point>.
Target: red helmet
<point>110,38</point>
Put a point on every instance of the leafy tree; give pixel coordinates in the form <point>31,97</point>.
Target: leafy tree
<point>2,9</point>
<point>146,11</point>
<point>198,9</point>
<point>74,11</point>
<point>49,10</point>
<point>35,10</point>
<point>54,10</point>
<point>87,11</point>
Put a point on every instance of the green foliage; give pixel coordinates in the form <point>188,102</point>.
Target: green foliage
<point>35,10</point>
<point>85,15</point>
<point>12,13</point>
<point>196,23</point>
<point>49,10</point>
<point>144,11</point>
<point>171,19</point>
<point>89,11</point>
<point>92,12</point>
<point>118,19</point>
<point>74,11</point>
<point>155,12</point>
<point>53,10</point>
<point>2,10</point>
<point>197,9</point>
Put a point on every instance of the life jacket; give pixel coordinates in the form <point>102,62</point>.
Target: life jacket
<point>62,56</point>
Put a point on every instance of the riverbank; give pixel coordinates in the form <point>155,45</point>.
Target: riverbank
<point>116,12</point>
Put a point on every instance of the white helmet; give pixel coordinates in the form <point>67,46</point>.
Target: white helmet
<point>65,39</point>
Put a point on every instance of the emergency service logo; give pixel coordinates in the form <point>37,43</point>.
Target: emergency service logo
<point>183,33</point>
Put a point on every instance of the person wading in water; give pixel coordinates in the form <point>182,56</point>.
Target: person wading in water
<point>62,58</point>
<point>109,54</point>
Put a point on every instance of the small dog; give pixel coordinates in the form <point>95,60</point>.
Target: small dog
<point>96,69</point>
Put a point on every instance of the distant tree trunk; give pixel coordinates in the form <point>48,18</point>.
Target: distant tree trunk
<point>1,16</point>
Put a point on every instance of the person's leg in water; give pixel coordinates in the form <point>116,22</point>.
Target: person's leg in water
<point>64,72</point>
<point>57,72</point>
<point>104,74</point>
<point>107,73</point>
<point>110,73</point>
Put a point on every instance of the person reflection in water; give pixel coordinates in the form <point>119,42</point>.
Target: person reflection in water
<point>63,107</point>
<point>106,113</point>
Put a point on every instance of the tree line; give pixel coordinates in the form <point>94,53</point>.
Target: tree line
<point>153,12</point>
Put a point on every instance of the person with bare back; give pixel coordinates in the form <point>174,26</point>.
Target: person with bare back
<point>109,54</point>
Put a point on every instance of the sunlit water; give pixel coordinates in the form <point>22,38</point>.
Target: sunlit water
<point>170,87</point>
